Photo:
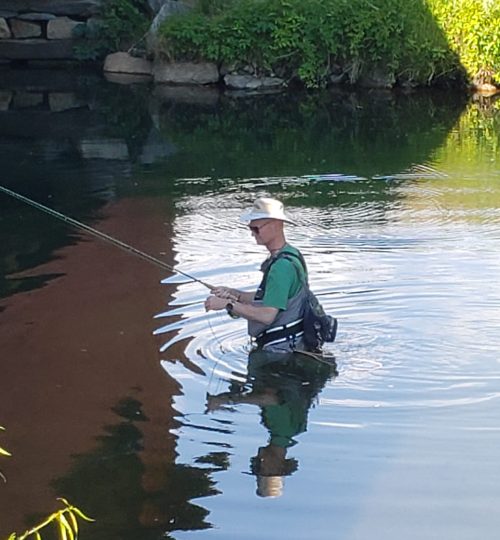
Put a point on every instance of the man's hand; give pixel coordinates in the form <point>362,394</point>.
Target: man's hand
<point>214,303</point>
<point>227,293</point>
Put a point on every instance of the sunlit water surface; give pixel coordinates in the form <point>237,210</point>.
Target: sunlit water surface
<point>402,441</point>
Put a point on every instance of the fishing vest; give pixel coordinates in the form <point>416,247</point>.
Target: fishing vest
<point>284,334</point>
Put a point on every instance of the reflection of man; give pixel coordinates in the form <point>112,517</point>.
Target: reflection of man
<point>274,312</point>
<point>284,387</point>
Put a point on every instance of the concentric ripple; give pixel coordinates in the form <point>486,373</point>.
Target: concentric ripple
<point>412,280</point>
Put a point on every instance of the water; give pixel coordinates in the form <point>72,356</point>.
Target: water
<point>121,394</point>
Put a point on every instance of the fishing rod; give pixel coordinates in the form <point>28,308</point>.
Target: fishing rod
<point>102,236</point>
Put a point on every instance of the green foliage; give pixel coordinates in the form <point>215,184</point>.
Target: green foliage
<point>65,521</point>
<point>121,24</point>
<point>473,30</point>
<point>3,452</point>
<point>212,7</point>
<point>311,40</point>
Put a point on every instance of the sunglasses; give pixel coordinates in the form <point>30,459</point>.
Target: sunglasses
<point>256,229</point>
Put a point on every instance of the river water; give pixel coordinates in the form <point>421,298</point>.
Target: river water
<point>121,394</point>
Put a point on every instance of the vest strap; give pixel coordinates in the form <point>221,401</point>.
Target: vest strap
<point>279,334</point>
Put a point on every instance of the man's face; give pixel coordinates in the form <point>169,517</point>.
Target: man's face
<point>262,230</point>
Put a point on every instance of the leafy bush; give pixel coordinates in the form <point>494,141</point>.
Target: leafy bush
<point>313,39</point>
<point>419,42</point>
<point>473,30</point>
<point>121,24</point>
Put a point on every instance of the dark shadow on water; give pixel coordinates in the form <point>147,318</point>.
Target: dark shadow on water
<point>114,486</point>
<point>66,141</point>
<point>131,495</point>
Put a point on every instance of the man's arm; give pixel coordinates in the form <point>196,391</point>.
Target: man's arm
<point>262,314</point>
<point>234,294</point>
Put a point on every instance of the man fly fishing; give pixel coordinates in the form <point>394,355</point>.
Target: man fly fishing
<point>275,311</point>
<point>283,314</point>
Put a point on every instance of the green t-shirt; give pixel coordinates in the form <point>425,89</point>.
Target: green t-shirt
<point>283,281</point>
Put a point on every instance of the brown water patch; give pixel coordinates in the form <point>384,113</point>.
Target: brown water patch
<point>73,349</point>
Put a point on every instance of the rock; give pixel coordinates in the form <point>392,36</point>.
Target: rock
<point>122,62</point>
<point>486,89</point>
<point>250,82</point>
<point>7,14</point>
<point>22,29</point>
<point>78,8</point>
<point>94,25</point>
<point>157,5</point>
<point>63,101</point>
<point>338,79</point>
<point>168,8</point>
<point>5,99</point>
<point>36,17</point>
<point>4,29</point>
<point>186,73</point>
<point>25,100</point>
<point>61,28</point>
<point>36,49</point>
<point>114,149</point>
<point>337,75</point>
<point>377,78</point>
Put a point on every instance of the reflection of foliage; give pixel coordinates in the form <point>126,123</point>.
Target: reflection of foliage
<point>109,481</point>
<point>470,156</point>
<point>218,459</point>
<point>126,114</point>
<point>353,134</point>
<point>476,135</point>
<point>29,238</point>
<point>64,520</point>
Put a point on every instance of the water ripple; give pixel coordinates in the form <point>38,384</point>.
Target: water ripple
<point>412,282</point>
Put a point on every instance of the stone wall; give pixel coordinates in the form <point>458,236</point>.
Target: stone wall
<point>42,29</point>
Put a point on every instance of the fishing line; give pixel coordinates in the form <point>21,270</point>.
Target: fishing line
<point>118,243</point>
<point>101,235</point>
<point>114,241</point>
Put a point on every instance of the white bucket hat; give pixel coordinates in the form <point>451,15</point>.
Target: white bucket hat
<point>266,208</point>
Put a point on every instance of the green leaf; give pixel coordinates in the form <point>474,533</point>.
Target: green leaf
<point>78,512</point>
<point>72,519</point>
<point>61,529</point>
<point>67,526</point>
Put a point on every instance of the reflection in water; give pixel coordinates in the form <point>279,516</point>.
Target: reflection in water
<point>130,497</point>
<point>397,197</point>
<point>284,387</point>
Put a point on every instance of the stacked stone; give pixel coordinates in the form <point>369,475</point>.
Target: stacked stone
<point>42,29</point>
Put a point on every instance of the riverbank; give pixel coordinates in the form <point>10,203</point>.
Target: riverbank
<point>255,46</point>
<point>382,44</point>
